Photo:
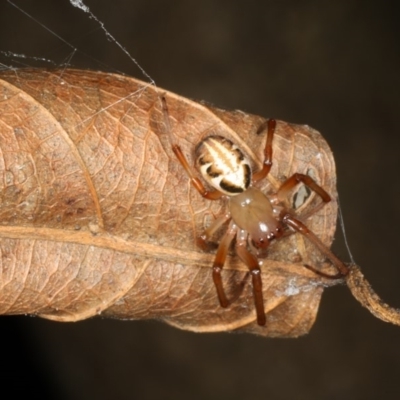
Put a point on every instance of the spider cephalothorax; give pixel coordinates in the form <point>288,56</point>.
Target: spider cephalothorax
<point>255,219</point>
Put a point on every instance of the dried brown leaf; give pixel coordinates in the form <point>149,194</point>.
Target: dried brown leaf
<point>363,292</point>
<point>98,217</point>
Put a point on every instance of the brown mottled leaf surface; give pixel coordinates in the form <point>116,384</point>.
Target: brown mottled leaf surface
<point>97,217</point>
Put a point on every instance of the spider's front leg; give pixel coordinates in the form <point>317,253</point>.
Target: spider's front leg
<point>202,241</point>
<point>293,181</point>
<point>252,263</point>
<point>220,261</point>
<point>298,226</point>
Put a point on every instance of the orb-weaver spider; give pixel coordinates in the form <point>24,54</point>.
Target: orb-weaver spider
<point>255,219</point>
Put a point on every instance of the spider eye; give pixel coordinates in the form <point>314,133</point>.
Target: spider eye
<point>261,243</point>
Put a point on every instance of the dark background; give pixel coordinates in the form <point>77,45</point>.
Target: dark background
<point>332,65</point>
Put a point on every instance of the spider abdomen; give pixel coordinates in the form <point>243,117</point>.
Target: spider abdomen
<point>253,212</point>
<point>223,165</point>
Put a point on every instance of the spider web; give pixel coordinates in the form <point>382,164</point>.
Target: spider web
<point>65,53</point>
<point>76,50</point>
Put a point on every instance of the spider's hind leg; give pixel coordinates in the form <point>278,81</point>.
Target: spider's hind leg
<point>195,181</point>
<point>267,163</point>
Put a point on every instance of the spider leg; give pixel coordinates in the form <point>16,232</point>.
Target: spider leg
<point>210,231</point>
<point>293,181</point>
<point>252,263</point>
<point>220,261</point>
<point>196,182</point>
<point>267,164</point>
<point>298,226</point>
<point>318,272</point>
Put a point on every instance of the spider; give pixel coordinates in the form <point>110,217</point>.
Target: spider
<point>255,219</point>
